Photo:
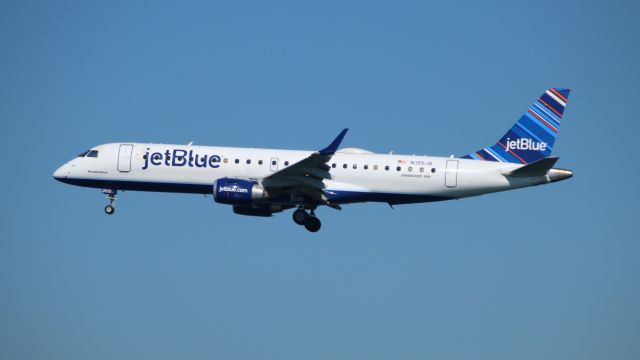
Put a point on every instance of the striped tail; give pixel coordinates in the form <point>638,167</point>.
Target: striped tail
<point>533,136</point>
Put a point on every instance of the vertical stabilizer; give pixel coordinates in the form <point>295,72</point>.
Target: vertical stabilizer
<point>532,138</point>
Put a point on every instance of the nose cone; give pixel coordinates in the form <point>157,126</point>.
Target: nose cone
<point>559,174</point>
<point>61,173</point>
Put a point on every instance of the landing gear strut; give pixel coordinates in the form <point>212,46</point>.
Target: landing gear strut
<point>309,220</point>
<point>111,196</point>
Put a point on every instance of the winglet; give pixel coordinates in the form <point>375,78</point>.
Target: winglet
<point>333,147</point>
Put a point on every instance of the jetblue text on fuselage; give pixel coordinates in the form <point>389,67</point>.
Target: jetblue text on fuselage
<point>180,157</point>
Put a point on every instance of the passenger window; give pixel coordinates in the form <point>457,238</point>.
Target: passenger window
<point>421,169</point>
<point>375,167</point>
<point>386,167</point>
<point>433,170</point>
<point>355,166</point>
<point>237,161</point>
<point>93,154</point>
<point>366,167</point>
<point>410,169</point>
<point>248,161</point>
<point>344,166</point>
<point>225,160</point>
<point>286,163</point>
<point>333,165</point>
<point>259,162</point>
<point>398,168</point>
<point>273,162</point>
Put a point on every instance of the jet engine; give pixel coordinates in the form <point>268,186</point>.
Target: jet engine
<point>237,191</point>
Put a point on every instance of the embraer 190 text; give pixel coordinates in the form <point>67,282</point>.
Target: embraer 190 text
<point>261,182</point>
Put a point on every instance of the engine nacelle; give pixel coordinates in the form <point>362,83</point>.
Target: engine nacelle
<point>237,191</point>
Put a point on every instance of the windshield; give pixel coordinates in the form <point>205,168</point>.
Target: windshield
<point>89,153</point>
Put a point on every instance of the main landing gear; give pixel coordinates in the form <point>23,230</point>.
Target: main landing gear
<point>309,220</point>
<point>111,196</point>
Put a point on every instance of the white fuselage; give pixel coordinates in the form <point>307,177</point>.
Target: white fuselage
<point>356,175</point>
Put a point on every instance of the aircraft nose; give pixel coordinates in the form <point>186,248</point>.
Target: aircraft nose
<point>61,172</point>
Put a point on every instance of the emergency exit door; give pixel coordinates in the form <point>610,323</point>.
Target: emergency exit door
<point>274,164</point>
<point>451,174</point>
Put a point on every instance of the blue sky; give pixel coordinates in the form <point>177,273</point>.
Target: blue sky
<point>548,272</point>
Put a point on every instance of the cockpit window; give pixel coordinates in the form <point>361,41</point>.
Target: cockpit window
<point>93,154</point>
<point>84,153</point>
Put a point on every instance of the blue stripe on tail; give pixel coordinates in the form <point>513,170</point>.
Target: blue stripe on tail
<point>533,136</point>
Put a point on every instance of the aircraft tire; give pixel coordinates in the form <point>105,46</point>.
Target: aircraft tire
<point>109,209</point>
<point>313,224</point>
<point>300,217</point>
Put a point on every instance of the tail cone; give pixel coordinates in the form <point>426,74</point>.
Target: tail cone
<point>559,174</point>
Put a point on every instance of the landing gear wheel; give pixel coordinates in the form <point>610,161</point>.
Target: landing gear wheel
<point>300,217</point>
<point>313,224</point>
<point>111,196</point>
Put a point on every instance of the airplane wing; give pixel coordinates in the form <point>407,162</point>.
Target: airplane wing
<point>304,178</point>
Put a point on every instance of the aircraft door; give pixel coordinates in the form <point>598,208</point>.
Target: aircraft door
<point>124,157</point>
<point>451,174</point>
<point>274,164</point>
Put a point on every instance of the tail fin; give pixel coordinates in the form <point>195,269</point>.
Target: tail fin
<point>533,136</point>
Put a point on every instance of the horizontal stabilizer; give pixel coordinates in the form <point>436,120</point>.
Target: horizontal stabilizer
<point>536,168</point>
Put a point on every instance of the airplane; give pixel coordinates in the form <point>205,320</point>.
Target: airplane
<point>262,182</point>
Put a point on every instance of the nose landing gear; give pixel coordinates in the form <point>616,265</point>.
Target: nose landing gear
<point>111,196</point>
<point>309,220</point>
